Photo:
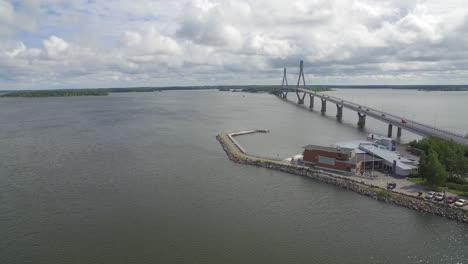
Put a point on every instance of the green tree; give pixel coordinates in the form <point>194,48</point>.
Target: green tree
<point>431,169</point>
<point>452,156</point>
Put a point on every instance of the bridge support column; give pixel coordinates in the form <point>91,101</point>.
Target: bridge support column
<point>390,128</point>
<point>300,100</point>
<point>284,95</point>
<point>311,106</point>
<point>362,120</point>
<point>339,111</point>
<point>324,105</point>
<point>399,132</point>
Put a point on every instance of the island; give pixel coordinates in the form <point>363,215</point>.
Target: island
<point>58,93</point>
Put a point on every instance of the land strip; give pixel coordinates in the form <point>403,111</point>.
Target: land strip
<point>239,155</point>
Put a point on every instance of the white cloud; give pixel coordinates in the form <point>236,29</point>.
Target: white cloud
<point>145,42</point>
<point>150,42</point>
<point>55,47</point>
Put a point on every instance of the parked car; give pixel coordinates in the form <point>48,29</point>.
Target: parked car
<point>383,114</point>
<point>429,195</point>
<point>451,199</point>
<point>461,202</point>
<point>404,121</point>
<point>439,196</point>
<point>391,186</point>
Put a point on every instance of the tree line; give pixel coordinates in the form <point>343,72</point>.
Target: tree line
<point>443,163</point>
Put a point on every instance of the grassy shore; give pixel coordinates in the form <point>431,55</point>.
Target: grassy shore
<point>439,188</point>
<point>59,93</point>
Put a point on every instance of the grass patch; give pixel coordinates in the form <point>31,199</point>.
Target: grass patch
<point>437,188</point>
<point>416,180</point>
<point>446,189</point>
<point>384,193</point>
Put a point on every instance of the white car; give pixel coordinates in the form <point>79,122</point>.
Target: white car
<point>439,196</point>
<point>461,202</point>
<point>430,195</point>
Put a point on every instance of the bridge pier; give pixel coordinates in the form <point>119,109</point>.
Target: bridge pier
<point>339,111</point>
<point>324,105</point>
<point>390,129</point>
<point>311,106</point>
<point>300,100</point>
<point>362,120</point>
<point>399,132</point>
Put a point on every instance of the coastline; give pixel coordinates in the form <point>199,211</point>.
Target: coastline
<point>237,154</point>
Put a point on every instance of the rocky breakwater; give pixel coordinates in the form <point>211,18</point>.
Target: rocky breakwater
<point>240,156</point>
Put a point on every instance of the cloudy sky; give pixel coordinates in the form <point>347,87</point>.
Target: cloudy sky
<point>121,43</point>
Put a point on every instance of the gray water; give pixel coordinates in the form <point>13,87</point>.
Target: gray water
<point>140,178</point>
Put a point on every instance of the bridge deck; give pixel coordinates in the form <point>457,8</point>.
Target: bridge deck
<point>410,125</point>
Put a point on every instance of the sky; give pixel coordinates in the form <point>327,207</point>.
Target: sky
<point>131,43</point>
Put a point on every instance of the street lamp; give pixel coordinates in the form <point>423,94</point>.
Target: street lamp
<point>373,161</point>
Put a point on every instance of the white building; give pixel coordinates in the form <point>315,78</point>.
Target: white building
<point>381,147</point>
<point>392,161</point>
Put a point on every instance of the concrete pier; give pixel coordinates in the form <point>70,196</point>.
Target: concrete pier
<point>339,111</point>
<point>324,105</point>
<point>399,132</point>
<point>390,129</point>
<point>311,106</point>
<point>362,120</point>
<point>300,100</point>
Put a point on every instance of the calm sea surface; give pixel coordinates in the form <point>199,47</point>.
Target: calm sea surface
<point>140,178</point>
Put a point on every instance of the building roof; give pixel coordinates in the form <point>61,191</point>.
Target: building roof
<point>328,149</point>
<point>351,144</point>
<point>363,157</point>
<point>389,156</point>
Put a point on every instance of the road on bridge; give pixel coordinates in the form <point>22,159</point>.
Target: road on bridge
<point>401,122</point>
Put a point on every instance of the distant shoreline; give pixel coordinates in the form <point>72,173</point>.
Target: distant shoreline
<point>239,88</point>
<point>57,93</point>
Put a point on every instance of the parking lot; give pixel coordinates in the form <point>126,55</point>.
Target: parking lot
<point>402,185</point>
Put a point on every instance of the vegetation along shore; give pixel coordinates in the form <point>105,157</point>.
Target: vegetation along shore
<point>58,93</point>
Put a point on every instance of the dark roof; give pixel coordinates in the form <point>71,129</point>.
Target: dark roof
<point>328,149</point>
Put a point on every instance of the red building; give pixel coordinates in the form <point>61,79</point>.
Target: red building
<point>342,159</point>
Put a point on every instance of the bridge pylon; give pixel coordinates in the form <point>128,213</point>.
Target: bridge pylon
<point>284,86</point>
<point>300,99</point>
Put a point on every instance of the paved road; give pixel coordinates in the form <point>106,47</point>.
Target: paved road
<point>398,121</point>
